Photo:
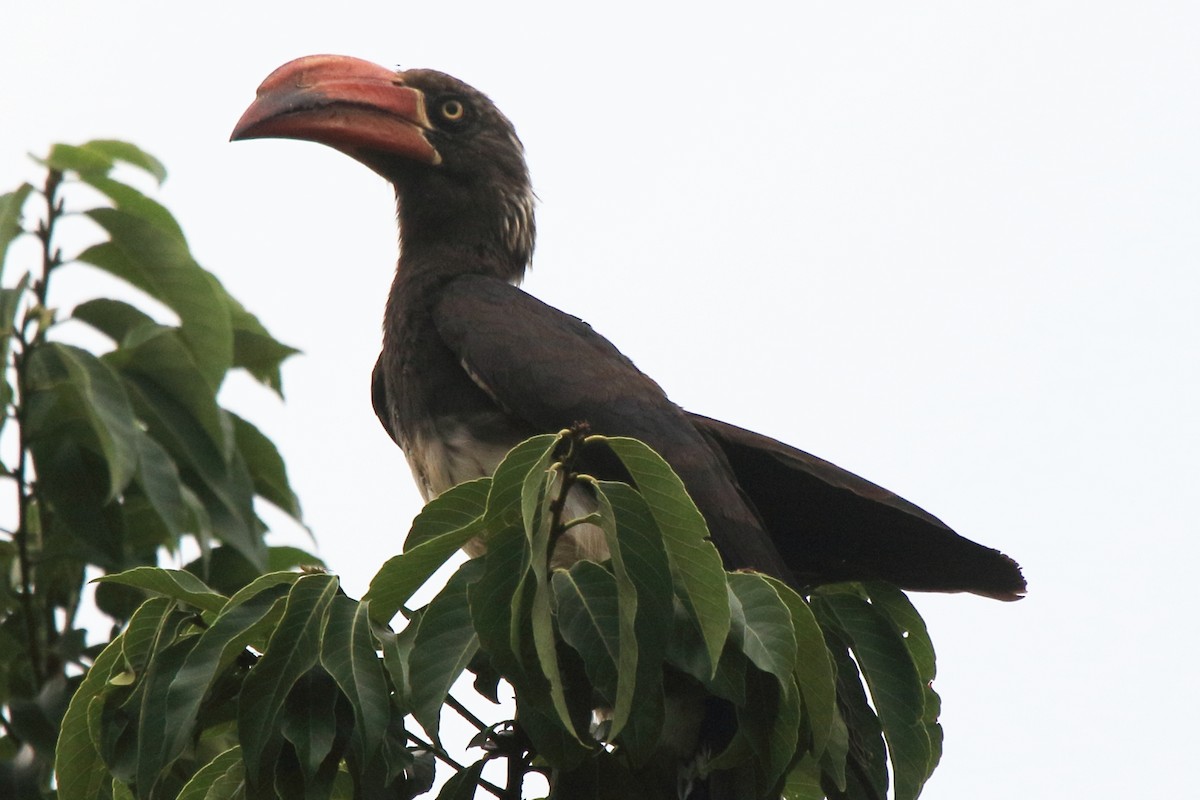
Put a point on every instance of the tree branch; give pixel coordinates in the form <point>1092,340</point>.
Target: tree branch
<point>51,259</point>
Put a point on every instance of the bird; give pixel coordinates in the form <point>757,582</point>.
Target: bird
<point>472,365</point>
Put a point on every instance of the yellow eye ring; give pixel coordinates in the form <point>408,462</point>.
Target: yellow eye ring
<point>453,110</point>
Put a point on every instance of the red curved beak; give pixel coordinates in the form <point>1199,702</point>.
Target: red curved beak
<point>346,103</point>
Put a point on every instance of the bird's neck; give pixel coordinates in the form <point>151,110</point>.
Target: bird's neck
<point>445,237</point>
<point>433,255</point>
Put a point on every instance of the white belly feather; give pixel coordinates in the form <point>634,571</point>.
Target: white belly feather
<point>440,462</point>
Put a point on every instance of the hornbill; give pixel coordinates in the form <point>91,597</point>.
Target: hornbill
<point>471,364</point>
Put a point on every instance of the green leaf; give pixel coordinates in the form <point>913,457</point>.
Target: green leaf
<point>153,707</point>
<point>254,349</point>
<point>343,786</point>
<point>462,785</point>
<point>768,638</point>
<point>895,685</point>
<point>770,720</point>
<point>131,201</point>
<point>804,780</point>
<point>394,765</point>
<point>292,651</point>
<point>78,769</point>
<point>508,563</point>
<point>450,511</point>
<point>159,479</point>
<point>129,153</point>
<point>397,647</point>
<point>894,604</point>
<point>144,631</point>
<point>865,772</point>
<point>78,159</point>
<point>589,621</point>
<point>518,489</point>
<point>497,610</point>
<point>695,564</point>
<point>443,527</point>
<point>445,643</point>
<point>244,623</point>
<point>158,637</point>
<point>261,584</point>
<point>231,784</point>
<point>814,669</point>
<point>11,204</point>
<point>348,654</point>
<point>116,319</point>
<point>10,301</point>
<point>160,265</point>
<point>537,485</point>
<point>491,599</point>
<point>837,754</point>
<point>266,466</point>
<point>552,741</point>
<point>508,481</point>
<point>162,357</point>
<point>89,391</point>
<point>177,584</point>
<point>537,494</point>
<point>73,486</point>
<point>645,561</point>
<point>224,487</point>
<point>309,721</point>
<point>626,615</point>
<point>221,778</point>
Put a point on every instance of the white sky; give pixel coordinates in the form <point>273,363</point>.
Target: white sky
<point>953,247</point>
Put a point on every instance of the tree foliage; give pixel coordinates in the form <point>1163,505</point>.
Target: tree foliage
<point>319,697</point>
<point>120,452</point>
<point>239,676</point>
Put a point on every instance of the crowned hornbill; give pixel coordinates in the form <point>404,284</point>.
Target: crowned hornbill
<point>472,365</point>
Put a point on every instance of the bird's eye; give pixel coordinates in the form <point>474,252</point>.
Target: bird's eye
<point>452,110</point>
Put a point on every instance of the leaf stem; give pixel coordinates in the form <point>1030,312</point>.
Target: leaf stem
<point>516,777</point>
<point>570,459</point>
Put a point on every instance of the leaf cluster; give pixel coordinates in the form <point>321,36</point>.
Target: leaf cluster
<point>621,669</point>
<point>122,449</point>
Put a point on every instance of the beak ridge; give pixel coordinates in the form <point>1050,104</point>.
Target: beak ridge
<point>346,103</point>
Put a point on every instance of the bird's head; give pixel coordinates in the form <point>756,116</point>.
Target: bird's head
<point>454,159</point>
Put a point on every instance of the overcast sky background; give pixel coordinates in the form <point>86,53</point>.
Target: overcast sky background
<point>952,247</point>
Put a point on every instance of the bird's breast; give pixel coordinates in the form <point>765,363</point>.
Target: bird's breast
<point>441,460</point>
<point>451,431</point>
<point>445,452</point>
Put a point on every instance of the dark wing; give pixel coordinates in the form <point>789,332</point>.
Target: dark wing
<point>830,524</point>
<point>552,370</point>
<point>379,399</point>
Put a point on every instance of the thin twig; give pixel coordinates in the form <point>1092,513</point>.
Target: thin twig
<point>441,755</point>
<point>465,712</point>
